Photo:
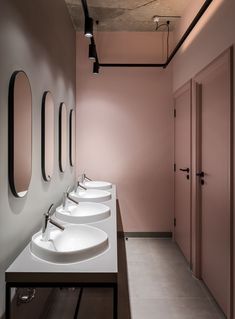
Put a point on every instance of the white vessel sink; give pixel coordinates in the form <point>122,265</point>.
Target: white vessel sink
<point>83,213</point>
<point>97,185</point>
<point>91,195</point>
<point>74,244</point>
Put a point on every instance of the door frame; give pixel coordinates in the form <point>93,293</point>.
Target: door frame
<point>196,194</point>
<point>186,87</point>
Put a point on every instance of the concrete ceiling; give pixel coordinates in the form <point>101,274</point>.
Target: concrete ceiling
<point>126,15</point>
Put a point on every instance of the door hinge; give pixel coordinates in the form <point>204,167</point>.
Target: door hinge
<point>174,221</point>
<point>174,112</point>
<point>174,167</point>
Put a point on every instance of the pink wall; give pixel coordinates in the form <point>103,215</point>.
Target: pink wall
<point>125,128</point>
<point>133,47</point>
<point>213,35</point>
<point>186,18</point>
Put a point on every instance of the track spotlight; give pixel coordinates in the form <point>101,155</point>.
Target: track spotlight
<point>92,51</point>
<point>96,68</point>
<point>88,27</point>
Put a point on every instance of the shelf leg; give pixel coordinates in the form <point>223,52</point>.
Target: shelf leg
<point>8,302</point>
<point>115,301</point>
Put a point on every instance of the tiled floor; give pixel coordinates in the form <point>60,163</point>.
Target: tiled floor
<point>161,285</point>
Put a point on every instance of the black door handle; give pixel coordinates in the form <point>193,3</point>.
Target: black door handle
<point>185,170</point>
<point>200,174</point>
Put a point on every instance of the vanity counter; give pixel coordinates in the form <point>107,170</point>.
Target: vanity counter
<point>102,268</point>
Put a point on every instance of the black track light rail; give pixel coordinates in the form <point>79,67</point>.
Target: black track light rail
<point>188,31</point>
<point>85,8</point>
<point>176,49</point>
<point>133,65</point>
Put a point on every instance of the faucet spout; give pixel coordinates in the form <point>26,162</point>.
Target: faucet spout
<point>45,225</point>
<point>67,197</point>
<point>64,201</point>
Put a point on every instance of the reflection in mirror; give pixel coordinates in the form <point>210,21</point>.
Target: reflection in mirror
<point>72,137</point>
<point>62,137</point>
<point>20,133</point>
<point>47,136</point>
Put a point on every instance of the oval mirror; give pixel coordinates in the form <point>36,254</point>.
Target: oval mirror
<point>47,136</point>
<point>62,137</point>
<point>20,133</point>
<point>72,137</point>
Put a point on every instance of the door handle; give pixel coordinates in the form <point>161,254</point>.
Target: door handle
<point>185,170</point>
<point>200,174</point>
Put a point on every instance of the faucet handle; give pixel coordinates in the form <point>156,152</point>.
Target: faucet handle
<point>54,222</point>
<point>81,186</point>
<point>87,178</point>
<point>49,212</point>
<point>68,189</point>
<point>82,177</point>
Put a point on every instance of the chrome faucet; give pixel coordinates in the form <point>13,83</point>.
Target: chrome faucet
<point>81,186</point>
<point>84,177</point>
<point>45,225</point>
<point>67,197</point>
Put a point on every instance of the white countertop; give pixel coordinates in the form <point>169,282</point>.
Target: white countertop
<point>27,267</point>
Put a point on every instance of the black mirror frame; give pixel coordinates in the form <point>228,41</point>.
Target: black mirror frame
<point>46,177</point>
<point>60,135</point>
<point>11,127</point>
<point>71,137</point>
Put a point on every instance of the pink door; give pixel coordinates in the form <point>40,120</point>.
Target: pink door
<point>213,172</point>
<point>182,181</point>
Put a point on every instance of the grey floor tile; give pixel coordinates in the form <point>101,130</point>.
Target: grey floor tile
<point>179,308</point>
<point>150,309</point>
<point>193,308</point>
<point>161,284</point>
<point>182,287</point>
<point>144,288</point>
